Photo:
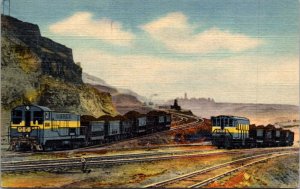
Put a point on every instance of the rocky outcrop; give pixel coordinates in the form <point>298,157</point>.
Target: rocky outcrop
<point>83,99</point>
<point>51,58</point>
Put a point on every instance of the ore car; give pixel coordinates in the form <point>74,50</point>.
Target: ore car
<point>287,138</point>
<point>127,128</point>
<point>112,128</point>
<point>94,129</point>
<point>139,122</point>
<point>154,118</point>
<point>269,139</point>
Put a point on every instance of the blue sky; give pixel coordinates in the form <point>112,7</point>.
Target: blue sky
<point>231,50</point>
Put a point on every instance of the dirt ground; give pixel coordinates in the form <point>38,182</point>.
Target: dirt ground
<point>126,175</point>
<point>278,172</point>
<point>282,172</point>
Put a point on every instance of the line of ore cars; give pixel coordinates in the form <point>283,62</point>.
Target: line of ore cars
<point>232,131</point>
<point>39,128</point>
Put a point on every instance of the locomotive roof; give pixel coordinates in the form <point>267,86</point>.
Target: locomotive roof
<point>43,108</point>
<point>234,117</point>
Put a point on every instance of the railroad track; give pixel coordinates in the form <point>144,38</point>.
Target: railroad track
<point>71,163</point>
<point>207,175</point>
<point>102,160</point>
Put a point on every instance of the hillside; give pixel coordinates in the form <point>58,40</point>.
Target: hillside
<point>257,113</point>
<point>37,70</point>
<point>124,100</point>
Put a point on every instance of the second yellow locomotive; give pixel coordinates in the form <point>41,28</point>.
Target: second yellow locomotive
<point>230,131</point>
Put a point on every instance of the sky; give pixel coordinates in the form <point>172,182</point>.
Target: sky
<point>229,50</point>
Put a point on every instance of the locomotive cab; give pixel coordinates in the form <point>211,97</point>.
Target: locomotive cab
<point>27,124</point>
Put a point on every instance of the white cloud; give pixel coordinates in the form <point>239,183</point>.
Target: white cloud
<point>83,24</point>
<point>178,35</point>
<point>235,79</point>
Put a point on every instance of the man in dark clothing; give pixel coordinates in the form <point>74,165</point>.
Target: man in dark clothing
<point>83,165</point>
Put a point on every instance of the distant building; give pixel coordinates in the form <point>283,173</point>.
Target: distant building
<point>176,106</point>
<point>185,96</point>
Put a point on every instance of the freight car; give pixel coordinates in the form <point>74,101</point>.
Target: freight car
<point>138,122</point>
<point>158,121</point>
<point>39,128</point>
<point>232,131</point>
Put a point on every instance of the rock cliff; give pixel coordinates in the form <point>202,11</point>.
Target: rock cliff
<point>24,40</point>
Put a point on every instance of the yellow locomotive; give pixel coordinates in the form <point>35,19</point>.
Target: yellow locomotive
<point>230,131</point>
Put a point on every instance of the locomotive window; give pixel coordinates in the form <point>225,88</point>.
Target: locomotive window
<point>213,121</point>
<point>38,114</point>
<point>16,120</point>
<point>60,116</point>
<point>38,117</point>
<point>47,116</point>
<point>230,122</point>
<point>222,122</point>
<point>226,124</point>
<point>17,113</point>
<point>218,120</point>
<point>17,117</point>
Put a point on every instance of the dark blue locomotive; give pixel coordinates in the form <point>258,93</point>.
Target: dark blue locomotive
<point>39,128</point>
